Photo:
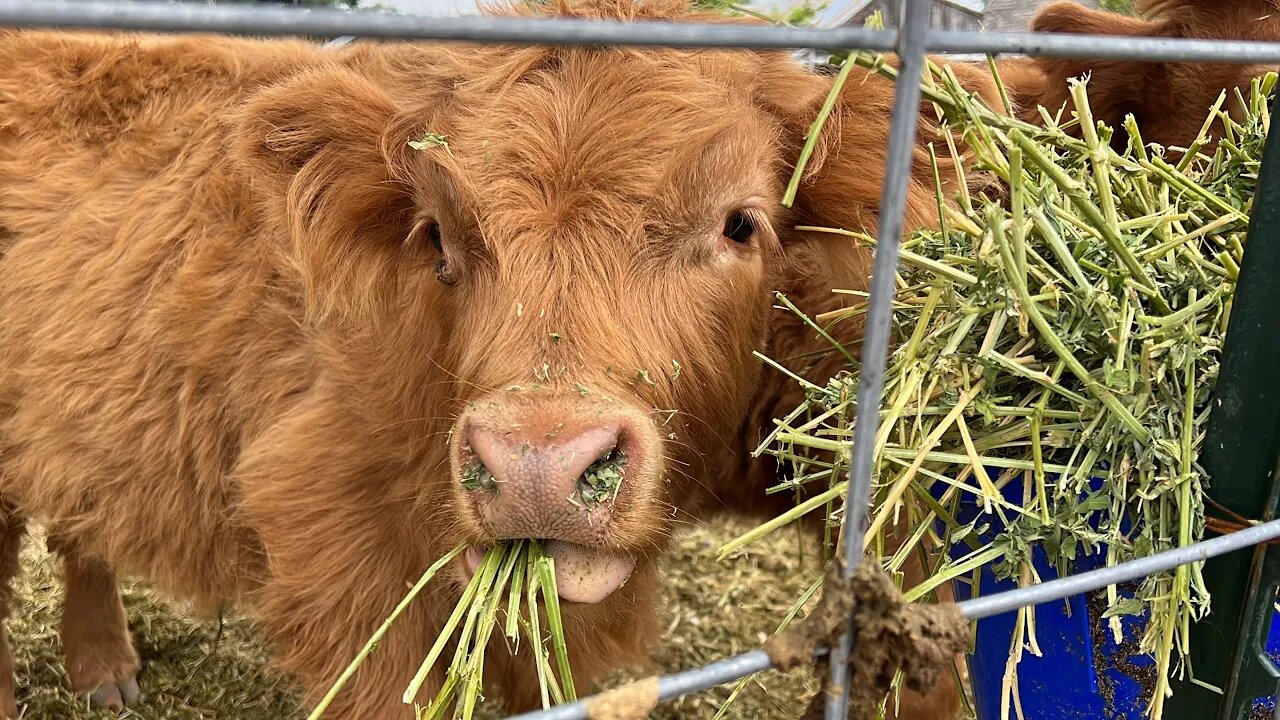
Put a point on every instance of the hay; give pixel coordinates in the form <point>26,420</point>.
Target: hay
<point>1063,340</point>
<point>713,610</point>
<point>191,671</point>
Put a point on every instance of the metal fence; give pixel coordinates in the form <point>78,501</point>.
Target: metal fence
<point>911,43</point>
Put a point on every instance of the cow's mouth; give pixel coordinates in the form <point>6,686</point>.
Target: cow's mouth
<point>583,574</point>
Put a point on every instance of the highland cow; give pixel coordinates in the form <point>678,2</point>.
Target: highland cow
<point>1169,100</point>
<point>252,340</point>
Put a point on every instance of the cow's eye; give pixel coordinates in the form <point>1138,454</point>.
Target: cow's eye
<point>443,274</point>
<point>430,230</point>
<point>739,228</point>
<point>432,233</point>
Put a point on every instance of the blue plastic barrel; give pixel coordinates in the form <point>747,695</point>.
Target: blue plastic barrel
<point>1082,674</point>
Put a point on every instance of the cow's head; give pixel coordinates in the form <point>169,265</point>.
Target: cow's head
<point>578,249</point>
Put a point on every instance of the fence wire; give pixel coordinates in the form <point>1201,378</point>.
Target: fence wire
<point>332,22</point>
<point>875,340</point>
<point>911,43</point>
<point>757,661</point>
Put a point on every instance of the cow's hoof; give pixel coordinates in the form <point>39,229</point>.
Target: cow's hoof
<point>116,695</point>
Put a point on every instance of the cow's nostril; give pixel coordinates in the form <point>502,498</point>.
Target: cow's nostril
<point>602,480</point>
<point>475,476</point>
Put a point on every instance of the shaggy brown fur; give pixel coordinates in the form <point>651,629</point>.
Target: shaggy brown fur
<point>230,353</point>
<point>1170,100</point>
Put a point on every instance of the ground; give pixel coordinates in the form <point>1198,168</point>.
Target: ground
<point>192,671</point>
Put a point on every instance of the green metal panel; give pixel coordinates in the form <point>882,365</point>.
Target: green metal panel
<point>1242,458</point>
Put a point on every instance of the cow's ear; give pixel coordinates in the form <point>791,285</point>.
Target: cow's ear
<point>786,89</point>
<point>312,147</point>
<point>841,183</point>
<point>324,116</point>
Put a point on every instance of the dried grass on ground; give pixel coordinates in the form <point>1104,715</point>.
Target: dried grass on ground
<point>194,672</point>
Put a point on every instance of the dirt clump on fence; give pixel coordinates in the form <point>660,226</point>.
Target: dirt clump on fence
<point>890,635</point>
<point>633,701</point>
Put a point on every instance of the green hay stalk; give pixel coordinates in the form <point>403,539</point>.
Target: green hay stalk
<point>1066,333</point>
<point>517,570</point>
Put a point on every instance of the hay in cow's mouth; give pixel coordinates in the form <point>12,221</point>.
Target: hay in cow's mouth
<point>583,574</point>
<point>502,574</point>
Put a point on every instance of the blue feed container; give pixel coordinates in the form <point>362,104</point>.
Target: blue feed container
<point>1082,674</point>
<point>1266,706</point>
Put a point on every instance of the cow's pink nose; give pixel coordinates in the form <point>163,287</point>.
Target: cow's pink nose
<point>581,477</point>
<point>528,485</point>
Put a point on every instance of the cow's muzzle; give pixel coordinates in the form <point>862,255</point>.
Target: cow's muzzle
<point>562,470</point>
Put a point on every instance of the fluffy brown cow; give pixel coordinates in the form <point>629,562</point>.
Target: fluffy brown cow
<point>1170,100</point>
<point>250,339</point>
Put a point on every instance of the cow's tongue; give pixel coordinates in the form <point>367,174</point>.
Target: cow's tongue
<point>583,574</point>
<point>587,575</point>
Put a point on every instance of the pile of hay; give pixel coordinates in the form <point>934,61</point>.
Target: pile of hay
<point>1064,339</point>
<point>194,671</point>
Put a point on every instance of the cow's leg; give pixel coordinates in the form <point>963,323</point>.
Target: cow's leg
<point>96,646</point>
<point>12,532</point>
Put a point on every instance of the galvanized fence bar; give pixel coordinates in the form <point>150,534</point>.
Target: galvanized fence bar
<point>756,661</point>
<point>1094,47</point>
<point>330,22</point>
<point>875,339</point>
<point>1066,587</point>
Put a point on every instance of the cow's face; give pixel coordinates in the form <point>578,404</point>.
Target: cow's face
<point>602,228</point>
<point>570,256</point>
